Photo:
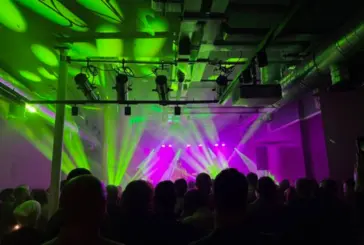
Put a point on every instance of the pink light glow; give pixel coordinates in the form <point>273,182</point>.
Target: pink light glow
<point>200,145</point>
<point>223,144</point>
<point>169,146</point>
<point>216,145</point>
<point>163,146</point>
<point>188,146</point>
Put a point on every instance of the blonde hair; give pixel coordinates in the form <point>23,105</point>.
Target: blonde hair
<point>28,213</point>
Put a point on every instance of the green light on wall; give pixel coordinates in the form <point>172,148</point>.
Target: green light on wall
<point>7,77</point>
<point>150,23</point>
<point>45,55</point>
<point>56,12</point>
<point>109,47</point>
<point>73,71</point>
<point>11,17</point>
<point>46,74</point>
<point>82,50</point>
<point>148,47</point>
<point>30,76</point>
<point>108,10</point>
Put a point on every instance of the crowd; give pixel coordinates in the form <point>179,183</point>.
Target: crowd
<point>231,209</point>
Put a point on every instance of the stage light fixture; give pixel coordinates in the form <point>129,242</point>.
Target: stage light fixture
<point>177,111</point>
<point>163,146</point>
<point>127,111</point>
<point>221,82</point>
<point>216,145</point>
<point>170,146</point>
<point>86,87</point>
<point>200,145</point>
<point>74,111</point>
<point>162,87</point>
<point>223,144</point>
<point>188,145</point>
<point>122,87</point>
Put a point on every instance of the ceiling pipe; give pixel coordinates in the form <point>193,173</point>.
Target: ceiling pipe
<point>302,79</point>
<point>16,97</point>
<point>274,32</point>
<point>189,35</point>
<point>11,94</point>
<point>126,102</point>
<point>173,62</point>
<point>203,17</point>
<point>211,31</point>
<point>320,62</point>
<point>111,35</point>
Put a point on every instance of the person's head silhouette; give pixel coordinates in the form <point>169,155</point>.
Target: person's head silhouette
<point>230,196</point>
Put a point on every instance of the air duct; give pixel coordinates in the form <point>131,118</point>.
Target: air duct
<point>339,73</point>
<point>297,82</point>
<point>301,79</point>
<point>170,6</point>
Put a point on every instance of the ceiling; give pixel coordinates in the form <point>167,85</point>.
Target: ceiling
<point>148,30</point>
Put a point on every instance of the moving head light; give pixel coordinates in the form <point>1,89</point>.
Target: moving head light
<point>86,87</point>
<point>122,87</point>
<point>162,88</point>
<point>221,84</point>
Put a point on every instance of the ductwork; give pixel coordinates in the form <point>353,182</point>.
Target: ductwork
<point>171,6</point>
<point>301,80</point>
<point>298,82</point>
<point>200,32</point>
<point>339,73</point>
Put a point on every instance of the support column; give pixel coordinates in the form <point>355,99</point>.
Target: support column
<point>342,115</point>
<point>105,145</point>
<point>58,134</point>
<point>304,141</point>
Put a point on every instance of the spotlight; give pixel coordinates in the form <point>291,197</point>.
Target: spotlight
<point>86,87</point>
<point>188,146</point>
<point>127,111</point>
<point>74,111</point>
<point>200,145</point>
<point>223,145</point>
<point>222,83</point>
<point>170,146</point>
<point>162,87</point>
<point>262,59</point>
<point>16,227</point>
<point>163,146</point>
<point>216,145</point>
<point>122,87</point>
<point>177,111</point>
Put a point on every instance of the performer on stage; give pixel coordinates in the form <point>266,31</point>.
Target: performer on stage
<point>178,172</point>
